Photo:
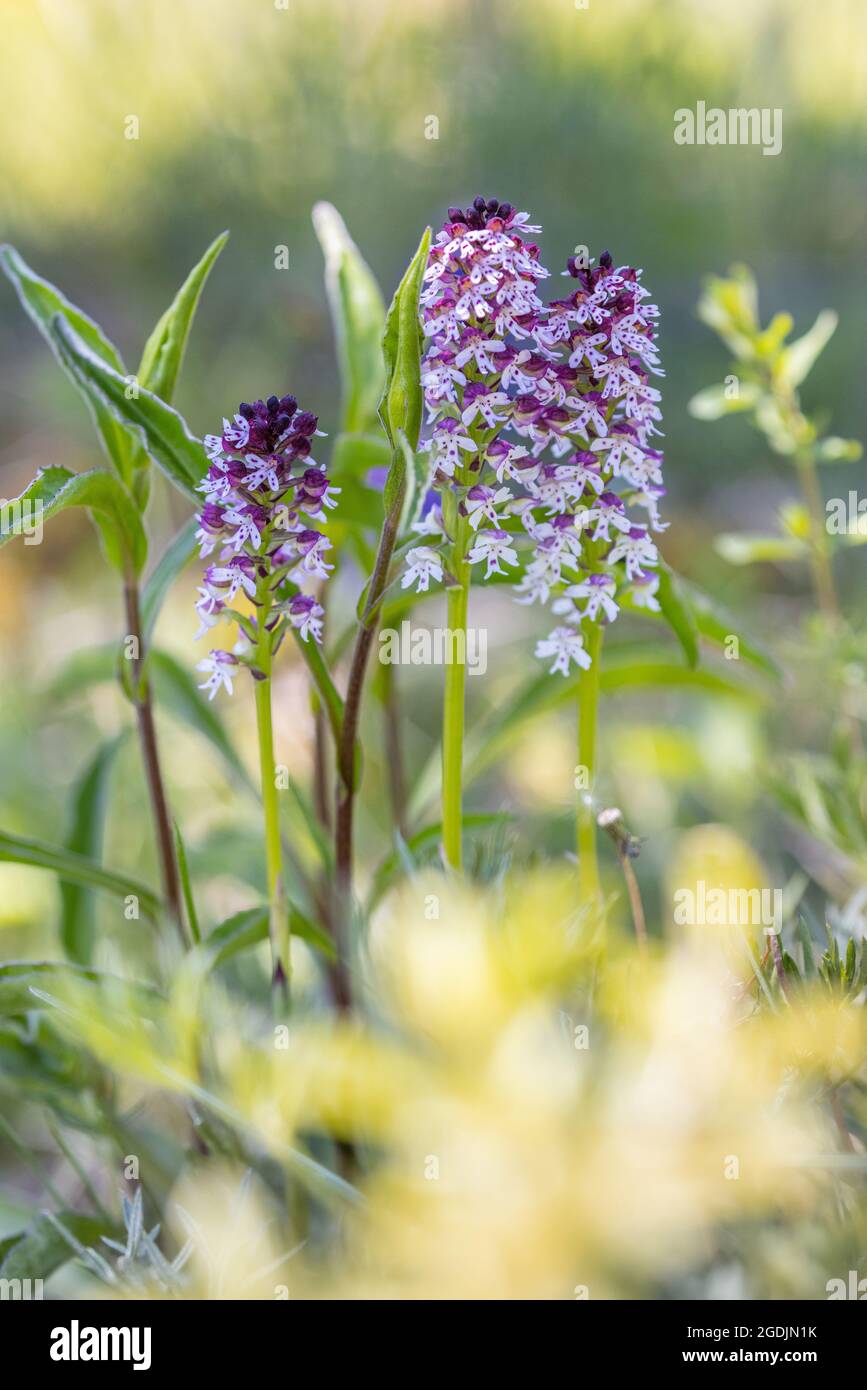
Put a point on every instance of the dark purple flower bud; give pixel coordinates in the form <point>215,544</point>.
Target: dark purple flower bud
<point>527,409</point>
<point>307,539</point>
<point>211,517</point>
<point>301,603</point>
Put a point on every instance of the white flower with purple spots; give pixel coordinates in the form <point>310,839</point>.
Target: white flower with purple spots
<point>544,414</point>
<point>221,668</point>
<point>566,645</point>
<point>493,546</point>
<point>261,489</point>
<point>422,565</point>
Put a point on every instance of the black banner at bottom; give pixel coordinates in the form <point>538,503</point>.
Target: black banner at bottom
<point>63,1339</point>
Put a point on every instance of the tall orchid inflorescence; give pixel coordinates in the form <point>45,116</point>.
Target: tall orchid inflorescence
<point>542,418</point>
<point>262,491</point>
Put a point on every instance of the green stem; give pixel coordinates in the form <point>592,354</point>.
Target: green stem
<point>820,560</point>
<point>588,705</point>
<point>142,701</point>
<point>279,916</point>
<point>453,703</point>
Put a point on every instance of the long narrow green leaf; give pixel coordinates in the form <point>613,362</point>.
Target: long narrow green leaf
<point>85,837</point>
<point>42,301</point>
<point>250,927</point>
<point>542,693</point>
<point>717,625</point>
<point>164,349</point>
<point>40,1250</point>
<point>328,692</point>
<point>358,315</point>
<point>796,360</point>
<point>400,408</point>
<point>742,549</point>
<point>176,689</point>
<point>186,885</point>
<point>17,976</point>
<point>400,860</point>
<point>677,613</point>
<point>106,499</point>
<point>161,430</point>
<point>172,562</point>
<point>174,686</point>
<point>76,868</point>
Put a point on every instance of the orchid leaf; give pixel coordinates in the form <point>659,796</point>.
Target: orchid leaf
<point>358,316</point>
<point>76,868</point>
<point>164,349</point>
<point>160,429</point>
<point>42,302</point>
<point>400,408</point>
<point>85,837</point>
<point>111,507</point>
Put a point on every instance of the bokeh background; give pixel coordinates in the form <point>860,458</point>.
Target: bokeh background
<point>251,111</point>
<point>248,114</point>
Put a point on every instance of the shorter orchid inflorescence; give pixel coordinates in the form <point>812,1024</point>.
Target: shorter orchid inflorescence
<point>263,489</point>
<point>542,418</point>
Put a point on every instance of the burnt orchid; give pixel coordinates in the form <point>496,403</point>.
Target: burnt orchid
<point>541,423</point>
<point>263,490</point>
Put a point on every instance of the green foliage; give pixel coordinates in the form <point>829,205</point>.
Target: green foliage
<point>172,562</point>
<point>400,408</point>
<point>47,1244</point>
<point>769,370</point>
<point>676,611</point>
<point>77,869</point>
<point>43,302</point>
<point>160,429</point>
<point>186,885</point>
<point>358,317</point>
<point>89,804</point>
<point>249,928</point>
<point>109,503</point>
<point>164,350</point>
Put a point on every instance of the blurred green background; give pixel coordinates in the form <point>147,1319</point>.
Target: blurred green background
<point>248,114</point>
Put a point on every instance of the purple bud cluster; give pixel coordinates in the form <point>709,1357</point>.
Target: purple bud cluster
<point>263,489</point>
<point>541,422</point>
